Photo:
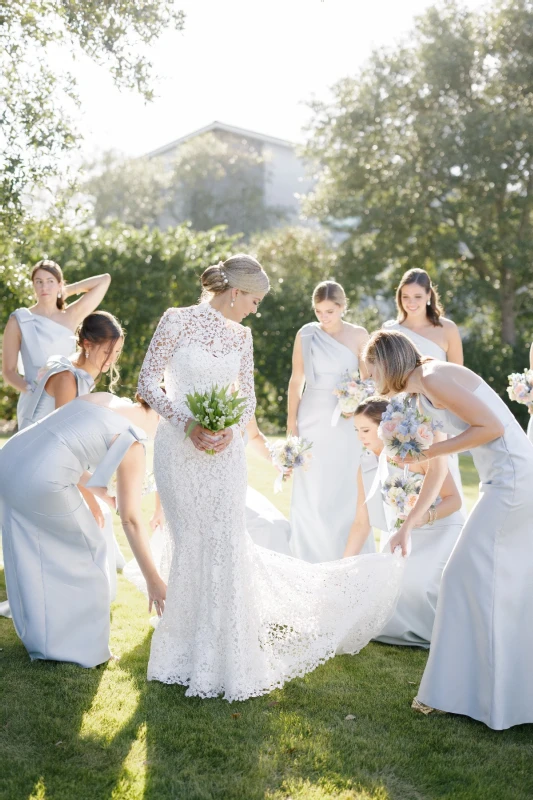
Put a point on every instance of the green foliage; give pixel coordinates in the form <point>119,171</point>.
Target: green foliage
<point>133,190</point>
<point>37,100</point>
<point>296,259</point>
<point>151,270</point>
<point>426,160</point>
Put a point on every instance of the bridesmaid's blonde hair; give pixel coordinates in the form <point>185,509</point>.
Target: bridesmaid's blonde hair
<point>395,356</point>
<point>330,290</point>
<point>240,271</point>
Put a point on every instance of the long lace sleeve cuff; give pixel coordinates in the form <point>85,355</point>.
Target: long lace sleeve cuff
<point>246,381</point>
<point>165,342</point>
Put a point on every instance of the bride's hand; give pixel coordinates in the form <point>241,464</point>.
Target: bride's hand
<point>223,439</point>
<point>400,539</point>
<point>200,437</point>
<point>157,592</point>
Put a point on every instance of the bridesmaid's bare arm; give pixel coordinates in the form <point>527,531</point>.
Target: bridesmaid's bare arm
<point>11,343</point>
<point>296,386</point>
<point>62,387</point>
<point>361,527</point>
<point>454,353</point>
<point>130,477</point>
<point>93,290</point>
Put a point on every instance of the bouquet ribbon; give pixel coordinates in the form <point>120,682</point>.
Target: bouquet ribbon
<point>278,483</point>
<point>382,473</point>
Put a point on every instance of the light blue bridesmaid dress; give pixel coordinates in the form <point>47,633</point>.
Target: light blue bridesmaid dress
<point>41,338</point>
<point>54,552</point>
<point>432,349</point>
<point>431,546</point>
<point>324,497</point>
<point>481,655</point>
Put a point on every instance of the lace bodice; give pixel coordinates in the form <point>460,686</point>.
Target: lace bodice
<point>194,348</point>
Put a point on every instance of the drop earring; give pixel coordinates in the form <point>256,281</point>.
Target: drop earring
<point>232,303</point>
<point>428,303</point>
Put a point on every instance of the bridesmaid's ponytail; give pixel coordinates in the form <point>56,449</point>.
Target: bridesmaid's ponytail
<point>434,310</point>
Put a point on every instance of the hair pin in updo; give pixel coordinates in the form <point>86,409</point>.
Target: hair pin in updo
<point>223,275</point>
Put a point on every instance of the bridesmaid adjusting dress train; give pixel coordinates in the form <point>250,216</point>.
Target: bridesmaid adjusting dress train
<point>482,647</point>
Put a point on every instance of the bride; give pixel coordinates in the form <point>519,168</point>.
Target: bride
<point>239,619</point>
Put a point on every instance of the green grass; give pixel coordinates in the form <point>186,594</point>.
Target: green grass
<point>72,734</point>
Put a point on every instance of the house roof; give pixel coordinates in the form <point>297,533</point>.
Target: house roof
<point>221,126</point>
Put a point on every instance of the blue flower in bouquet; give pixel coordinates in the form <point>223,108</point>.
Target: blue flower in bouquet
<point>404,430</point>
<point>293,452</point>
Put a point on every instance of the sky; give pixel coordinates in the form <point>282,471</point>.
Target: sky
<point>250,63</point>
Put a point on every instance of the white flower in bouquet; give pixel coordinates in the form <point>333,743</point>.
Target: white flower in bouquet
<point>288,454</point>
<point>215,410</point>
<point>520,387</point>
<point>351,390</point>
<point>404,431</point>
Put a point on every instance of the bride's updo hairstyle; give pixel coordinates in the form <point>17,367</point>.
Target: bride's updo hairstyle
<point>372,407</point>
<point>434,311</point>
<point>395,357</point>
<point>330,290</point>
<point>240,271</point>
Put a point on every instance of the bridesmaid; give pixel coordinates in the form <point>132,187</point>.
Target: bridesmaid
<point>432,542</point>
<point>54,551</point>
<point>421,318</point>
<point>47,328</point>
<point>100,339</point>
<point>480,658</point>
<point>530,423</point>
<point>324,497</point>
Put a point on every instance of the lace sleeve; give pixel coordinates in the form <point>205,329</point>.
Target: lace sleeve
<point>246,381</point>
<point>165,342</point>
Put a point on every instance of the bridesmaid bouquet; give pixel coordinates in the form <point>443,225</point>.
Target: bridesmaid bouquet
<point>215,410</point>
<point>293,452</point>
<point>520,387</point>
<point>350,391</point>
<point>400,492</point>
<point>404,431</point>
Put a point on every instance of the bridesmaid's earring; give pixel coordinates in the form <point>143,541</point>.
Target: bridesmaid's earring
<point>428,303</point>
<point>232,303</point>
<point>86,354</point>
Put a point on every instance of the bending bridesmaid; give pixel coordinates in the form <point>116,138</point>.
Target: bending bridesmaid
<point>480,657</point>
<point>54,551</point>
<point>324,497</point>
<point>99,339</point>
<point>47,328</point>
<point>432,541</point>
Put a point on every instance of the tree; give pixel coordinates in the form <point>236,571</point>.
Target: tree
<point>426,160</point>
<point>36,127</point>
<point>135,191</point>
<point>221,182</point>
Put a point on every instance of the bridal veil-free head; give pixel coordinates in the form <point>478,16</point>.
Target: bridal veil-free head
<point>240,271</point>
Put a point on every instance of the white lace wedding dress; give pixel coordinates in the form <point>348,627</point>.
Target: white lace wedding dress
<point>239,620</point>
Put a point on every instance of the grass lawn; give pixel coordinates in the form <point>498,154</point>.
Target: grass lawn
<point>72,734</point>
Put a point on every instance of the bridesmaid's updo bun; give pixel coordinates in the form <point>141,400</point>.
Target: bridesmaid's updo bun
<point>237,272</point>
<point>55,270</point>
<point>372,407</point>
<point>330,290</point>
<point>101,328</point>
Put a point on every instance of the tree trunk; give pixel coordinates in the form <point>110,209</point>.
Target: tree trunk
<point>507,306</point>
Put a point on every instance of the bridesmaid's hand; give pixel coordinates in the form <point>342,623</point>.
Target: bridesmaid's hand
<point>401,539</point>
<point>96,511</point>
<point>157,593</point>
<point>102,493</point>
<point>157,519</point>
